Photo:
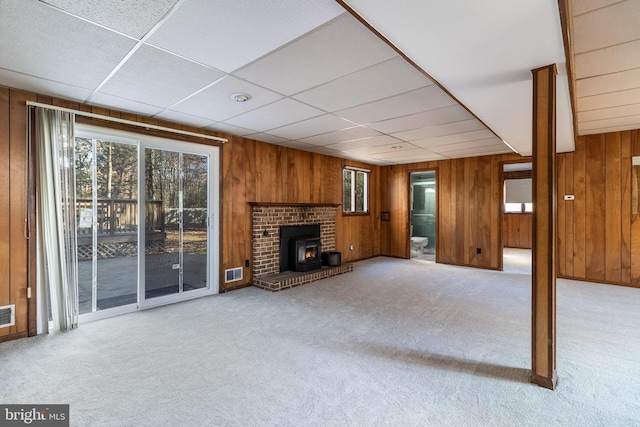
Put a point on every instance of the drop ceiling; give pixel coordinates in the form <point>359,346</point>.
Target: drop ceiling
<point>318,78</point>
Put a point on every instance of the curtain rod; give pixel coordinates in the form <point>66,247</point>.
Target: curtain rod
<point>124,121</point>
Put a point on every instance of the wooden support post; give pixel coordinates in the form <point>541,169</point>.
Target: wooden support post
<point>544,228</point>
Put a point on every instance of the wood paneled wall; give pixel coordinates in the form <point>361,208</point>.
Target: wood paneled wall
<point>517,230</point>
<point>254,171</point>
<point>250,171</point>
<point>469,211</point>
<point>598,236</point>
<point>13,198</point>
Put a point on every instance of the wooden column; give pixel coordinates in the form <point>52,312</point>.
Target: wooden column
<point>544,228</point>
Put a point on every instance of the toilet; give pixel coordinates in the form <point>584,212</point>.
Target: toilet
<point>417,245</point>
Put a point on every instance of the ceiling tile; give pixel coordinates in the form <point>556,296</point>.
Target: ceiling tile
<point>596,85</point>
<point>579,7</point>
<point>462,127</point>
<point>489,144</point>
<point>454,113</point>
<point>232,130</point>
<point>610,60</point>
<point>373,141</point>
<point>379,81</point>
<point>593,30</point>
<point>315,126</point>
<point>378,149</point>
<point>414,152</point>
<point>611,123</point>
<point>44,34</point>
<point>424,99</point>
<point>161,86</point>
<point>188,119</point>
<point>337,49</point>
<point>123,104</point>
<point>455,138</point>
<point>633,126</point>
<point>264,137</point>
<point>425,156</point>
<point>481,151</point>
<point>609,113</point>
<point>134,18</point>
<point>606,100</point>
<point>278,114</point>
<point>42,86</point>
<point>350,134</point>
<point>215,101</point>
<point>232,33</point>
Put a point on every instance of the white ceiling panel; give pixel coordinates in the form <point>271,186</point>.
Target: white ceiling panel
<point>490,144</point>
<point>441,130</point>
<point>376,82</point>
<point>615,82</point>
<point>227,34</point>
<point>610,123</point>
<point>278,114</point>
<point>315,126</point>
<point>477,152</point>
<point>163,86</point>
<point>215,101</point>
<point>188,119</point>
<point>232,130</point>
<point>633,126</point>
<point>606,100</point>
<point>337,49</point>
<point>609,113</point>
<point>407,152</point>
<point>134,18</point>
<point>264,137</point>
<point>427,98</point>
<point>350,134</point>
<point>42,86</point>
<point>378,149</point>
<point>46,48</point>
<point>611,60</point>
<point>123,104</point>
<point>594,30</point>
<point>373,141</point>
<point>425,156</point>
<point>455,138</point>
<point>453,113</point>
<point>583,6</point>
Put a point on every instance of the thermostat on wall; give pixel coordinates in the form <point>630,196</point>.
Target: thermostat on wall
<point>569,197</point>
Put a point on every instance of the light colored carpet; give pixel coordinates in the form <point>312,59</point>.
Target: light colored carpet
<point>396,342</point>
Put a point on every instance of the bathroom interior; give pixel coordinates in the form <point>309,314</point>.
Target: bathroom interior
<point>423,215</point>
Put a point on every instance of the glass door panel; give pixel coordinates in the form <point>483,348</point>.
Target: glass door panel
<point>107,225</point>
<point>163,223</point>
<point>195,220</point>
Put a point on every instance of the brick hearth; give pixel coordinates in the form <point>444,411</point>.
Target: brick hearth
<point>266,246</point>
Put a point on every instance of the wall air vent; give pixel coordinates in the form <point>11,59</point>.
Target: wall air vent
<point>7,316</point>
<point>233,275</point>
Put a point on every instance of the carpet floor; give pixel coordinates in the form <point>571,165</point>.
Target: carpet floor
<point>395,343</point>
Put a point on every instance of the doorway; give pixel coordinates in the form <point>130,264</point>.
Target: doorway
<point>517,225</point>
<point>423,215</point>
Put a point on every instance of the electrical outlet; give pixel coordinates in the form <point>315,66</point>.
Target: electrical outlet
<point>478,250</point>
<point>246,263</point>
<point>350,247</point>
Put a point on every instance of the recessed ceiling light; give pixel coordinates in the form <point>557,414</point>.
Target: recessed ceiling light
<point>240,97</point>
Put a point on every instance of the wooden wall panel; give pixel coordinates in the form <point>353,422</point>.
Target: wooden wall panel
<point>5,240</point>
<point>469,210</point>
<point>601,236</point>
<point>517,231</point>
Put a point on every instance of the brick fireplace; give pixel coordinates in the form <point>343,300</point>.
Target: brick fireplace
<point>265,231</point>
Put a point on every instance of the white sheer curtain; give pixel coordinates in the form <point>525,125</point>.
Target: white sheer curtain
<point>56,217</point>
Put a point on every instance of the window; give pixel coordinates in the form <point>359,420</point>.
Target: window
<point>513,207</point>
<point>355,190</point>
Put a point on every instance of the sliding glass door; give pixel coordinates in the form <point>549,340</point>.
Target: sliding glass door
<point>177,216</point>
<point>146,231</point>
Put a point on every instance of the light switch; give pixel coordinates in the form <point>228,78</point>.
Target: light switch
<point>569,197</point>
